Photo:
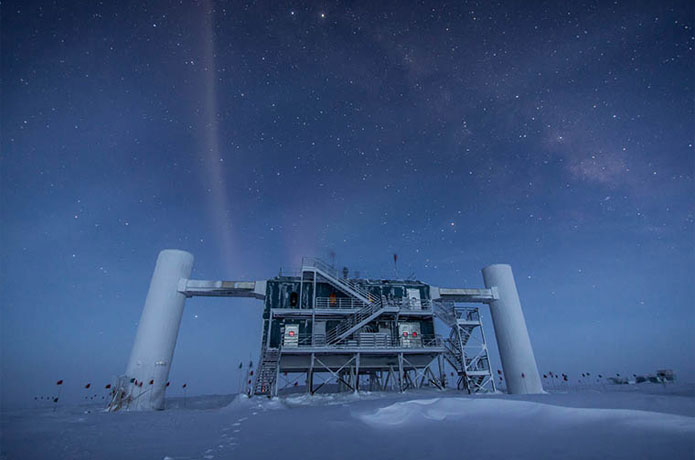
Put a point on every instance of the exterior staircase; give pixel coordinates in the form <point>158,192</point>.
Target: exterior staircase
<point>266,372</point>
<point>474,372</point>
<point>354,322</point>
<point>445,312</point>
<point>374,305</point>
<point>349,287</point>
<point>454,355</point>
<point>458,338</point>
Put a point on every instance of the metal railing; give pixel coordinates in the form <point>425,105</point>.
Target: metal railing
<point>445,312</point>
<point>370,340</point>
<point>339,302</point>
<point>351,302</point>
<point>468,314</point>
<point>410,304</point>
<point>453,354</point>
<point>336,277</point>
<point>265,373</point>
<point>352,321</point>
<point>450,314</point>
<point>372,303</point>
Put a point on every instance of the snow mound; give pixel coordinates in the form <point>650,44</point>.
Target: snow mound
<point>329,399</point>
<point>243,402</point>
<point>434,410</point>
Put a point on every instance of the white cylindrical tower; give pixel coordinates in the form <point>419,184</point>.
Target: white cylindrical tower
<point>518,362</point>
<point>150,359</point>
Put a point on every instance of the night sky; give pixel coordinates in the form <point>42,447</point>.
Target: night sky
<point>553,136</point>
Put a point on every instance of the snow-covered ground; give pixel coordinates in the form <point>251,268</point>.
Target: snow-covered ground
<point>629,421</point>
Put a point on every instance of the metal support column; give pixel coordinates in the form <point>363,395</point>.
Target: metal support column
<point>301,288</point>
<point>400,371</point>
<point>273,390</point>
<point>267,338</point>
<point>487,356</point>
<point>442,371</point>
<point>310,375</point>
<point>357,373</point>
<point>313,291</point>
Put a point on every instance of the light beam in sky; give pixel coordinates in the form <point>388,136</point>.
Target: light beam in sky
<point>219,202</point>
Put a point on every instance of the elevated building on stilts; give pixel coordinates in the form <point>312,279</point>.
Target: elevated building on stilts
<point>327,330</point>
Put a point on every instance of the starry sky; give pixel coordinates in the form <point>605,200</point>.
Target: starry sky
<point>553,136</point>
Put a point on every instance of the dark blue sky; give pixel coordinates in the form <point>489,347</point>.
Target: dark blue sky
<point>554,137</point>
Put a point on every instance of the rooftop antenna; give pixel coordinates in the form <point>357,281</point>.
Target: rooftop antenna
<point>395,264</point>
<point>332,256</point>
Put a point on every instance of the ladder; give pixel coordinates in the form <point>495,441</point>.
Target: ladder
<point>267,372</point>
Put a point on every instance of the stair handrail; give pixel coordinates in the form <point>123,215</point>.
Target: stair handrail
<point>260,380</point>
<point>351,320</point>
<point>453,354</point>
<point>318,264</point>
<point>372,306</point>
<point>446,312</point>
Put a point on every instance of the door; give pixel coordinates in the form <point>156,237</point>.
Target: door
<point>291,337</point>
<point>414,300</point>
